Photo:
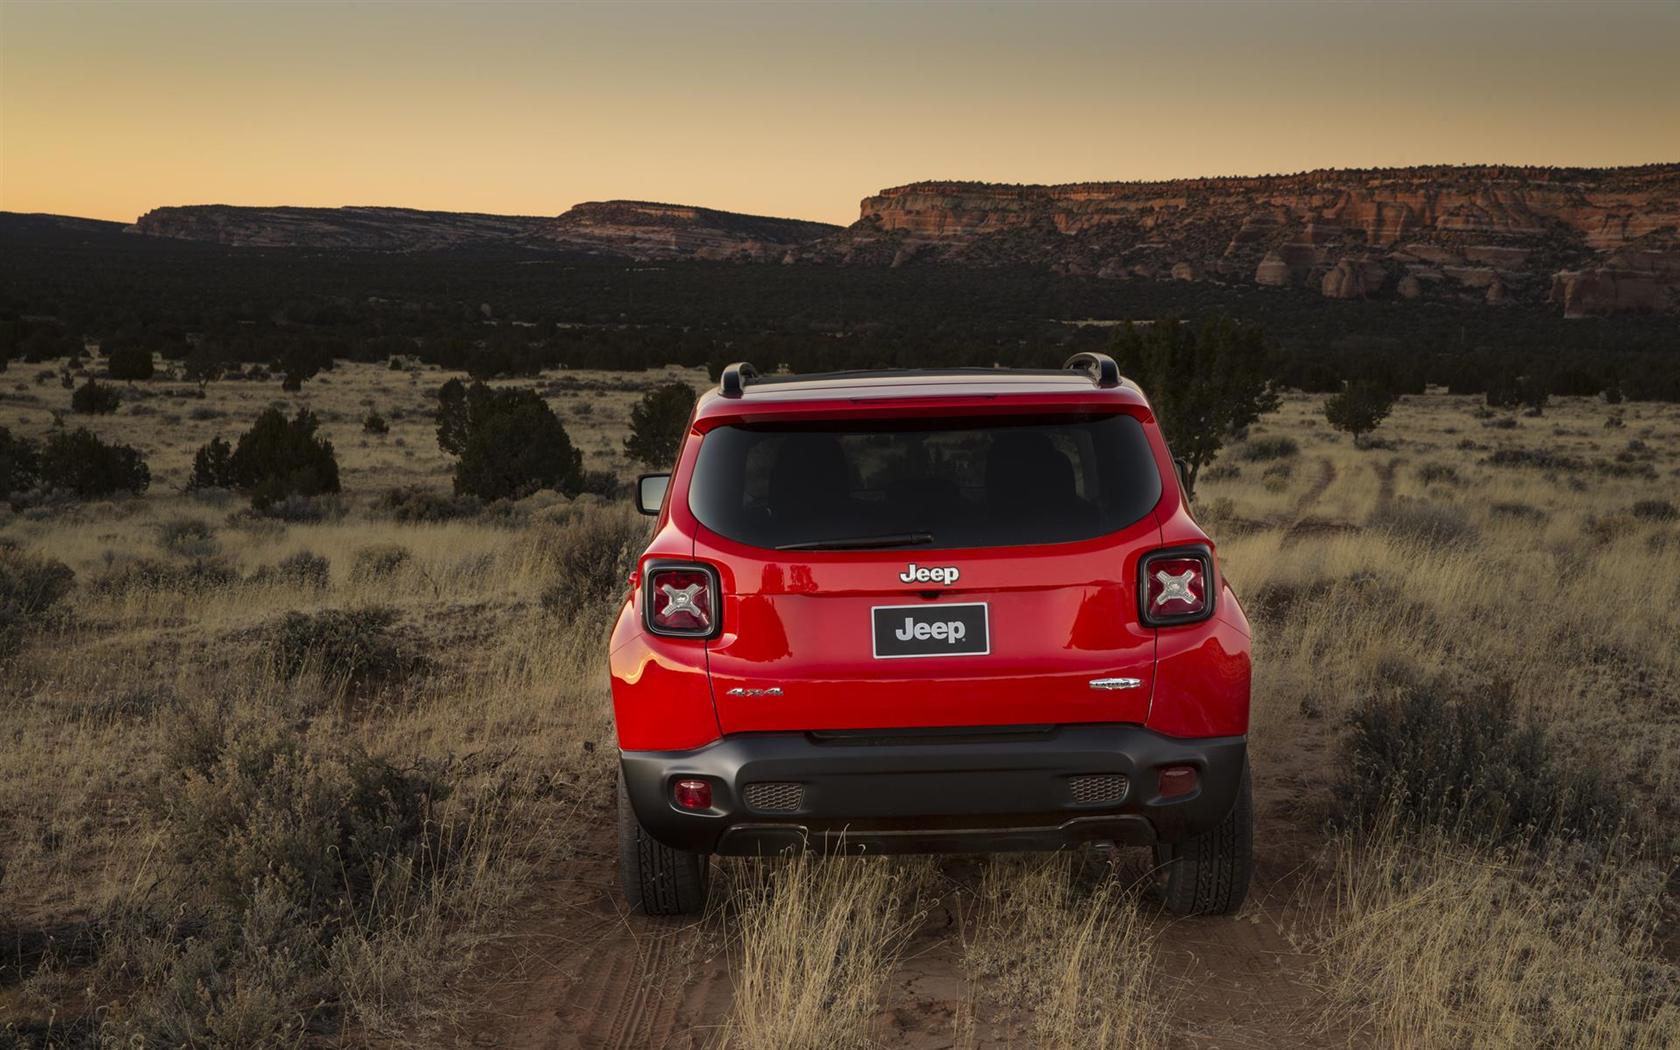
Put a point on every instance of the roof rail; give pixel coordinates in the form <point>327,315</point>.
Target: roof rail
<point>735,378</point>
<point>1102,369</point>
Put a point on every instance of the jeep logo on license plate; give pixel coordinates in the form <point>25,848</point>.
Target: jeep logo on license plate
<point>931,630</point>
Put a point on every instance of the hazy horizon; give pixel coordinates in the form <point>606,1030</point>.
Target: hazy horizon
<point>108,110</point>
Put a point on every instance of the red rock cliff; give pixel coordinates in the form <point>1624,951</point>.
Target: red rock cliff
<point>1593,239</point>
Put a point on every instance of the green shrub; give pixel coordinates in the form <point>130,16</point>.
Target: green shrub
<point>303,360</point>
<point>1207,381</point>
<point>81,463</point>
<point>212,467</point>
<point>589,563</point>
<point>1655,510</point>
<point>302,510</point>
<point>352,648</point>
<point>303,569</point>
<point>29,588</point>
<point>1515,511</point>
<point>657,424</point>
<point>91,399</point>
<point>1360,407</point>
<point>275,460</point>
<point>193,576</point>
<point>379,561</point>
<point>375,423</point>
<point>416,503</point>
<point>187,538</point>
<point>20,464</point>
<point>130,362</point>
<point>1449,753</point>
<point>333,830</point>
<point>1437,474</point>
<point>509,442</point>
<point>603,483</point>
<point>1267,448</point>
<point>1543,459</point>
<point>275,851</point>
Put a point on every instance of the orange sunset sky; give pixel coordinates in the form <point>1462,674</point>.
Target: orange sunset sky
<point>108,109</point>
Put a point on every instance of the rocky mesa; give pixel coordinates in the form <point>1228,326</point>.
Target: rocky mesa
<point>648,230</point>
<point>361,228</point>
<point>638,230</point>
<point>1588,240</point>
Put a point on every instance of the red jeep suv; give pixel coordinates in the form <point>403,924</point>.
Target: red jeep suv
<point>919,611</point>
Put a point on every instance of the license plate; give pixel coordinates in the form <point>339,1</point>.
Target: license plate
<point>931,630</point>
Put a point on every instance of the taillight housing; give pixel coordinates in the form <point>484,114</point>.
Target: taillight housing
<point>680,600</point>
<point>1176,586</point>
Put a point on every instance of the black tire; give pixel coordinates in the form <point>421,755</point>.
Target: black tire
<point>1208,874</point>
<point>656,879</point>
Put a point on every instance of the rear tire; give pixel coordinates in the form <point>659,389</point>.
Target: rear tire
<point>1208,874</point>
<point>656,879</point>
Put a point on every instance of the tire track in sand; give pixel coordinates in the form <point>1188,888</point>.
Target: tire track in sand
<point>1299,524</point>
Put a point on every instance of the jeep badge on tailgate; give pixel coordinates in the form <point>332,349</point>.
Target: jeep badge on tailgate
<point>946,574</point>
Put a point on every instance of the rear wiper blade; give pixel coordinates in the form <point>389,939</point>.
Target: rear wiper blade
<point>859,543</point>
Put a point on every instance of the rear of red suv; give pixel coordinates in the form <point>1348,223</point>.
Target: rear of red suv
<point>961,610</point>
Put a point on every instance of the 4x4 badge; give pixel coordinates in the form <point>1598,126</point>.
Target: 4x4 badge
<point>946,574</point>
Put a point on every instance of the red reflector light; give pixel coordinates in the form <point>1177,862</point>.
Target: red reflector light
<point>692,794</point>
<point>1176,781</point>
<point>1176,588</point>
<point>682,601</point>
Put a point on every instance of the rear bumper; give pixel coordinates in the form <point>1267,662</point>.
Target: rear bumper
<point>958,790</point>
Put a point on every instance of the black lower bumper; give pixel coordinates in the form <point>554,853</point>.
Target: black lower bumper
<point>982,790</point>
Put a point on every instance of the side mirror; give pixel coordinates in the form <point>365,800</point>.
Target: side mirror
<point>1183,466</point>
<point>650,492</point>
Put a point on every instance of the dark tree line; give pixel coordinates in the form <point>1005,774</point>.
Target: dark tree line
<point>198,308</point>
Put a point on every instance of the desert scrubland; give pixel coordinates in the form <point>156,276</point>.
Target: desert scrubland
<point>344,777</point>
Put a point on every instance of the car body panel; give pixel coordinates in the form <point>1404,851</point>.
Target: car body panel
<point>798,622</point>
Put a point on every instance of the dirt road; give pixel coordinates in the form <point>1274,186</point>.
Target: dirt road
<point>576,973</point>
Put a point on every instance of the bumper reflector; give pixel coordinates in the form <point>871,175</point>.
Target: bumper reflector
<point>1176,781</point>
<point>692,794</point>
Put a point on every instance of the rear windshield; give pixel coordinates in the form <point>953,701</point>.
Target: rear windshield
<point>943,484</point>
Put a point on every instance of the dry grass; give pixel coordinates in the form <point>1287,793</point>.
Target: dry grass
<point>107,933</point>
<point>1083,955</point>
<point>1365,571</point>
<point>1402,581</point>
<point>1434,944</point>
<point>817,941</point>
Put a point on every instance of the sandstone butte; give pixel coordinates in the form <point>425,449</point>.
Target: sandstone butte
<point>1587,240</point>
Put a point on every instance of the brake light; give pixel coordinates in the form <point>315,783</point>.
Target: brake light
<point>1176,587</point>
<point>682,601</point>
